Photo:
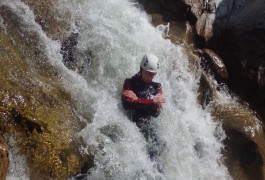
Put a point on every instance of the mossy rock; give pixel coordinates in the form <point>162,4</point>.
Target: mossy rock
<point>40,113</point>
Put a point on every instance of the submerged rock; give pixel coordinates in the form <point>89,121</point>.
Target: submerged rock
<point>67,50</point>
<point>113,131</point>
<point>73,58</point>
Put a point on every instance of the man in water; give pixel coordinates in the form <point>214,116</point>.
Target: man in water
<point>143,97</point>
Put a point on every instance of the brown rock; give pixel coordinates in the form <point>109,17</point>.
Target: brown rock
<point>213,64</point>
<point>245,144</point>
<point>239,38</point>
<point>204,25</point>
<point>189,33</point>
<point>184,10</point>
<point>196,7</point>
<point>51,21</point>
<point>41,115</point>
<point>206,90</point>
<point>4,160</point>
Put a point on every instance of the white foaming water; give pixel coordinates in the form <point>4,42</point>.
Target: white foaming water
<point>119,34</point>
<point>17,168</point>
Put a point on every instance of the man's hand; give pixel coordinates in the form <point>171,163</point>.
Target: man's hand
<point>158,100</point>
<point>129,94</point>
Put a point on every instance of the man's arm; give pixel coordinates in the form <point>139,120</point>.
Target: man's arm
<point>158,100</point>
<point>131,101</point>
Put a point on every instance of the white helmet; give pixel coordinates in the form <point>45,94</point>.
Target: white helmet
<point>150,63</point>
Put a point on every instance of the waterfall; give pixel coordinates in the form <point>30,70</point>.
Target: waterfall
<point>119,33</point>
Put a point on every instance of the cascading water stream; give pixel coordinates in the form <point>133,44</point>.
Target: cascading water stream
<point>119,34</point>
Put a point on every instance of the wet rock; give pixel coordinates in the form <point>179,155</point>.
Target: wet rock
<point>38,111</point>
<point>31,45</point>
<point>200,148</point>
<point>244,150</point>
<point>239,38</point>
<point>245,160</point>
<point>73,58</point>
<point>201,13</point>
<point>178,7</point>
<point>113,131</point>
<point>204,25</point>
<point>206,90</point>
<point>245,144</point>
<point>51,21</point>
<point>213,64</point>
<point>4,160</point>
<point>67,50</point>
<point>26,123</point>
<point>210,6</point>
<point>151,6</point>
<point>189,33</point>
<point>261,79</point>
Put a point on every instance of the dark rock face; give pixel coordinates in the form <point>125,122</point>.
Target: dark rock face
<point>239,38</point>
<point>67,50</point>
<point>73,58</point>
<point>179,10</point>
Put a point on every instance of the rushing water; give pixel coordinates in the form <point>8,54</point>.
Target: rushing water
<point>119,33</point>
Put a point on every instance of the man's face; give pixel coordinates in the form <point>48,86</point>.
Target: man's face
<point>147,76</point>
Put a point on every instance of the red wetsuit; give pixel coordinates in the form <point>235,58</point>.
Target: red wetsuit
<point>144,107</point>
